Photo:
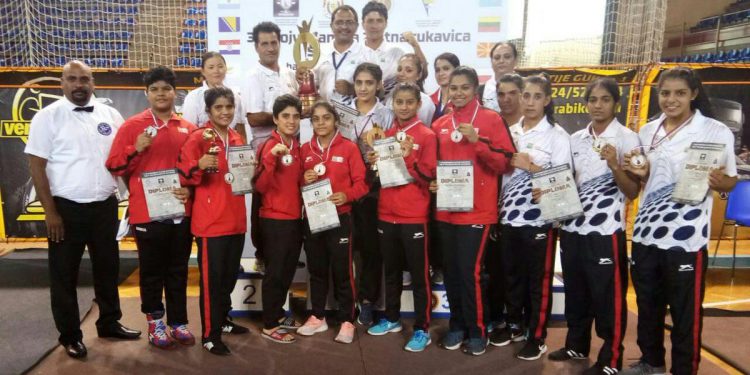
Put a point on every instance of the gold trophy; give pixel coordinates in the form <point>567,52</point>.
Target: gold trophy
<point>209,135</point>
<point>371,136</point>
<point>305,45</point>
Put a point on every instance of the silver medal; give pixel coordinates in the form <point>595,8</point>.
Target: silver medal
<point>638,161</point>
<point>456,136</point>
<point>287,159</point>
<point>401,136</point>
<point>320,169</point>
<point>228,177</point>
<point>151,131</point>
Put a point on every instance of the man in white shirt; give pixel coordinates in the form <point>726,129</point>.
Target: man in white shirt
<point>266,82</point>
<point>68,145</point>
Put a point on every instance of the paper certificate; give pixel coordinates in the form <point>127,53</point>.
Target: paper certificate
<point>321,213</point>
<point>455,179</point>
<point>348,118</point>
<point>391,166</point>
<point>692,185</point>
<point>560,200</point>
<point>158,187</point>
<point>241,169</point>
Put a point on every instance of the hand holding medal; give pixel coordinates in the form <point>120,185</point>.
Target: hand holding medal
<point>465,130</point>
<point>282,150</point>
<point>636,162</point>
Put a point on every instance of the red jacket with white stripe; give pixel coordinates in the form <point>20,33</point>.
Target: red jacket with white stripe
<point>162,154</point>
<point>410,203</point>
<point>487,156</point>
<point>216,211</point>
<point>344,167</point>
<point>278,183</point>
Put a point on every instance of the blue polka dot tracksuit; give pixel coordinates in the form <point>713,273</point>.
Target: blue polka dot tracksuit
<point>593,249</point>
<point>670,240</point>
<point>527,242</point>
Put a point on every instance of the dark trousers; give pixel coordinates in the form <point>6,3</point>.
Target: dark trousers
<point>529,261</point>
<point>163,254</point>
<point>463,256</point>
<point>93,226</point>
<point>282,241</point>
<point>329,254</point>
<point>677,279</point>
<point>493,266</point>
<point>404,247</point>
<point>365,213</point>
<point>595,274</point>
<point>219,264</point>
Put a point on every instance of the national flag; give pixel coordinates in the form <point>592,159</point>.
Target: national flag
<point>489,24</point>
<point>484,48</point>
<point>229,24</point>
<point>229,47</point>
<point>490,3</point>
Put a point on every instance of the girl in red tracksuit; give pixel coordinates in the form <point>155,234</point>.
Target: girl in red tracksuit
<point>278,178</point>
<point>331,156</point>
<point>479,135</point>
<point>403,213</point>
<point>219,217</point>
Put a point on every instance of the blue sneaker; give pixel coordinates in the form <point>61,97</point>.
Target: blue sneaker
<point>453,340</point>
<point>383,327</point>
<point>419,340</point>
<point>476,346</point>
<point>365,314</point>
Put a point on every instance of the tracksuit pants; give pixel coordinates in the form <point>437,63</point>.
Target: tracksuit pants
<point>282,244</point>
<point>93,225</point>
<point>463,256</point>
<point>404,247</point>
<point>595,274</point>
<point>330,253</point>
<point>493,266</point>
<point>529,261</point>
<point>674,278</point>
<point>219,264</point>
<point>163,254</point>
<point>365,213</point>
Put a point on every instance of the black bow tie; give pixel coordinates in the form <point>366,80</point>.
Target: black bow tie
<point>87,109</point>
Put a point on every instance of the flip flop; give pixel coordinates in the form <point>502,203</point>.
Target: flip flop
<point>279,335</point>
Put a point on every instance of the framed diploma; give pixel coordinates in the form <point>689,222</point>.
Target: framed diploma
<point>692,186</point>
<point>321,213</point>
<point>455,179</point>
<point>160,201</point>
<point>560,200</point>
<point>241,161</point>
<point>391,166</point>
<point>348,118</point>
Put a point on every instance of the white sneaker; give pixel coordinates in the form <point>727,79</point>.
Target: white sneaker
<point>312,326</point>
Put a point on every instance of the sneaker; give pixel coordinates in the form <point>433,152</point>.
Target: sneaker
<point>437,276</point>
<point>532,351</point>
<point>232,328</point>
<point>598,369</point>
<point>312,326</point>
<point>476,346</point>
<point>182,334</point>
<point>643,368</point>
<point>496,325</point>
<point>289,323</point>
<point>419,340</point>
<point>216,347</point>
<point>157,334</point>
<point>406,278</point>
<point>502,337</point>
<point>365,314</point>
<point>259,266</point>
<point>383,327</point>
<point>565,354</point>
<point>452,340</point>
<point>346,333</point>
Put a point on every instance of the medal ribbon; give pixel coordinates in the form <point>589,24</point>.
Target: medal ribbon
<point>473,117</point>
<point>666,136</point>
<point>320,146</point>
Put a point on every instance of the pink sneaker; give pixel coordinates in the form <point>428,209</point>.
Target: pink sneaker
<point>182,335</point>
<point>346,333</point>
<point>312,326</point>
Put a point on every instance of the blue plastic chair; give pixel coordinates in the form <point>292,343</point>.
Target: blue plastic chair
<point>737,214</point>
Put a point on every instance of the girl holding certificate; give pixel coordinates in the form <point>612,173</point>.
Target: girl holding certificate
<point>593,247</point>
<point>444,65</point>
<point>410,71</point>
<point>403,214</point>
<point>330,156</point>
<point>476,139</point>
<point>278,178</point>
<point>670,239</point>
<point>219,218</point>
<point>528,242</point>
